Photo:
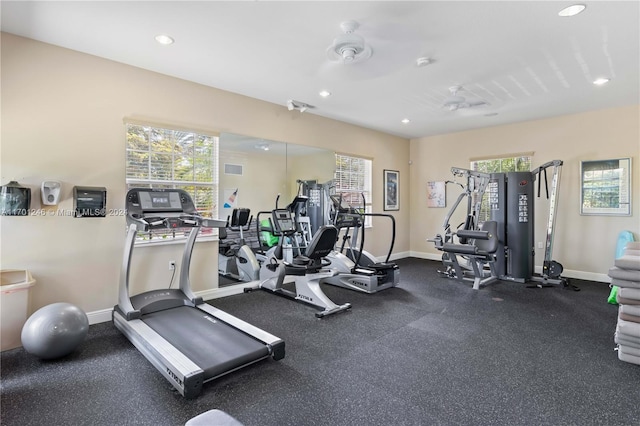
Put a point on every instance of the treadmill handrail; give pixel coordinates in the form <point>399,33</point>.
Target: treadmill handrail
<point>161,219</point>
<point>175,363</point>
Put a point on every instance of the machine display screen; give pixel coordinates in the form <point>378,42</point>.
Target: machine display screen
<point>160,201</point>
<point>284,221</point>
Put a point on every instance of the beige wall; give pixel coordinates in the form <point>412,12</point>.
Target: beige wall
<point>585,245</point>
<point>264,176</point>
<point>62,119</point>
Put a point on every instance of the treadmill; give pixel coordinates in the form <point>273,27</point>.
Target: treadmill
<point>189,341</point>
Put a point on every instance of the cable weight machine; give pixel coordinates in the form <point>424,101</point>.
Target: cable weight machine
<point>511,205</point>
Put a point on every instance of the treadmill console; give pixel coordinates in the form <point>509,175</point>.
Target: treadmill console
<point>161,208</point>
<point>283,222</point>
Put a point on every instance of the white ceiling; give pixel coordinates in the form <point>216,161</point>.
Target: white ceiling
<point>521,57</point>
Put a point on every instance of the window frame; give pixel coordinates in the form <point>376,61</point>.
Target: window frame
<point>194,144</point>
<point>356,193</point>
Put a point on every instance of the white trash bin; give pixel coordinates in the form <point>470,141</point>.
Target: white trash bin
<point>14,300</point>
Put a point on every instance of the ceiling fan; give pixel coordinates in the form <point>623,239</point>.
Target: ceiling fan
<point>455,102</point>
<point>369,50</point>
<point>349,48</point>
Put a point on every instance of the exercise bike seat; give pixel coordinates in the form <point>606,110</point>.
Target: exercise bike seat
<point>319,247</point>
<point>225,247</point>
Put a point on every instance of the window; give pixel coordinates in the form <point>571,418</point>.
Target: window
<point>516,163</point>
<point>606,187</point>
<point>503,165</point>
<point>166,158</point>
<point>353,180</point>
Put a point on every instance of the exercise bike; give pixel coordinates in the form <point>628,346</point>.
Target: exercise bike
<point>297,241</point>
<point>236,260</point>
<point>307,269</point>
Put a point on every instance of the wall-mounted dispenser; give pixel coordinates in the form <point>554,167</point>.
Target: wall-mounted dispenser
<point>89,201</point>
<point>15,199</point>
<point>50,192</point>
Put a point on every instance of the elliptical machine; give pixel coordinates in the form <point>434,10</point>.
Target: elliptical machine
<point>236,260</point>
<point>358,269</point>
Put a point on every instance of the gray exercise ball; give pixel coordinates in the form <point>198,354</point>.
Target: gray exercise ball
<point>55,330</point>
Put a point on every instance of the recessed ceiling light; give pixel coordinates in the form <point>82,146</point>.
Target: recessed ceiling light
<point>164,39</point>
<point>600,81</point>
<point>324,93</point>
<point>406,121</point>
<point>572,10</point>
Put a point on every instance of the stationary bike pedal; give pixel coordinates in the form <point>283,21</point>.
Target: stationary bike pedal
<point>273,264</point>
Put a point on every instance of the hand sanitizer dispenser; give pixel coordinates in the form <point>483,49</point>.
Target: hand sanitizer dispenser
<point>50,192</point>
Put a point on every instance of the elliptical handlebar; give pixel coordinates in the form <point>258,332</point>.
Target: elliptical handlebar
<point>393,230</point>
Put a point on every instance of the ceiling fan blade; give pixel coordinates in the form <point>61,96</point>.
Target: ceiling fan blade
<point>453,100</point>
<point>476,103</point>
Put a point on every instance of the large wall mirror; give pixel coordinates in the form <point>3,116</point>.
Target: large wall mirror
<point>254,171</point>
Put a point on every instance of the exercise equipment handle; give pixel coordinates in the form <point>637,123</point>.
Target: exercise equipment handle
<point>477,235</point>
<point>393,230</point>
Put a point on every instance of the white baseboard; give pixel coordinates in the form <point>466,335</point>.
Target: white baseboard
<point>428,256</point>
<point>567,273</point>
<point>394,256</point>
<point>96,317</point>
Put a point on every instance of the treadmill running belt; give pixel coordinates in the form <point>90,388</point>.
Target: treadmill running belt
<point>211,344</point>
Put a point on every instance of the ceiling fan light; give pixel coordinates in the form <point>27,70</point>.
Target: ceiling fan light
<point>348,54</point>
<point>349,47</point>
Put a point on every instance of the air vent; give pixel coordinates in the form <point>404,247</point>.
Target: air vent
<point>233,169</point>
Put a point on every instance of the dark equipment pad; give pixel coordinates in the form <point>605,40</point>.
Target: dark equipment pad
<point>211,344</point>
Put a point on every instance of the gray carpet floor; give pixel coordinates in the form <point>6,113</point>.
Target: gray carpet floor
<point>429,352</point>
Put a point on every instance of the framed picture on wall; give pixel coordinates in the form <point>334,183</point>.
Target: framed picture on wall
<point>605,187</point>
<point>436,195</point>
<point>391,190</point>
